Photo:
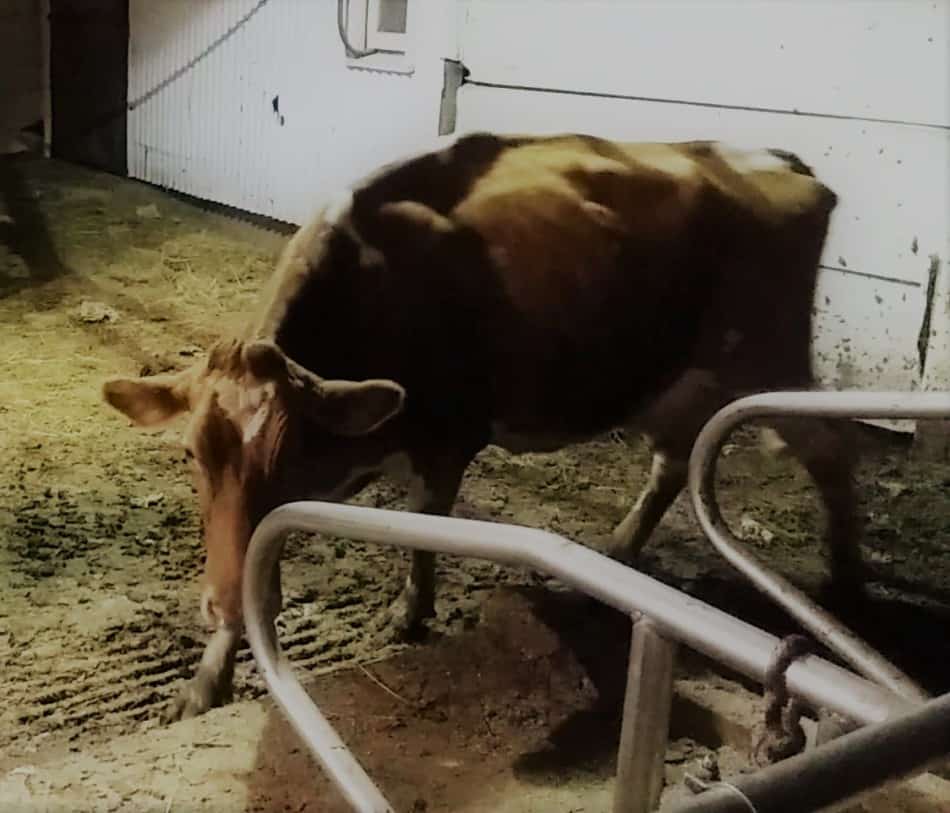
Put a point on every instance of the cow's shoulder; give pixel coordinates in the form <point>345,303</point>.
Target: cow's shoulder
<point>580,185</point>
<point>437,179</point>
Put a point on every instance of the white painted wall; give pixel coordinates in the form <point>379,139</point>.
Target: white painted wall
<point>21,69</point>
<point>860,89</point>
<point>885,59</point>
<point>213,133</point>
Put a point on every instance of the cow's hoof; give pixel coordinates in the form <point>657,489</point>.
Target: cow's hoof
<point>404,619</point>
<point>198,696</point>
<point>614,547</point>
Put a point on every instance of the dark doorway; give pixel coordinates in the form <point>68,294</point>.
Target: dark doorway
<point>89,67</point>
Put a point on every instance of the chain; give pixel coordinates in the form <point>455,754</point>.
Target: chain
<point>783,735</point>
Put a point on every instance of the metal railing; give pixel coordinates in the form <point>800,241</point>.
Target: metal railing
<point>702,471</point>
<point>662,616</point>
<point>842,770</point>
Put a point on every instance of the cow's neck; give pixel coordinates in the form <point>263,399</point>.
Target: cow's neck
<point>340,324</point>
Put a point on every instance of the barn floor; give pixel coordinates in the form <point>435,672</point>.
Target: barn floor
<point>99,554</point>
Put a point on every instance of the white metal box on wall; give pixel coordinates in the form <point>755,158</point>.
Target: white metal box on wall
<point>859,89</point>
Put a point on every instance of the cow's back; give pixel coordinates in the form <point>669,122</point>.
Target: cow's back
<point>561,283</point>
<point>627,263</point>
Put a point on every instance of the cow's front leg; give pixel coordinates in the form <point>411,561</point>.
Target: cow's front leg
<point>416,603</point>
<point>433,491</point>
<point>213,683</point>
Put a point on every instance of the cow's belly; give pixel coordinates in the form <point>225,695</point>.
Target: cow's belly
<point>523,442</point>
<point>540,435</point>
<point>541,408</point>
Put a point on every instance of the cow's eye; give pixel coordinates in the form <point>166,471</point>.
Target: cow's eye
<point>189,455</point>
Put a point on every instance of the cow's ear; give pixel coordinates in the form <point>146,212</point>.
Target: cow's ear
<point>265,360</point>
<point>353,408</point>
<point>348,408</point>
<point>152,400</point>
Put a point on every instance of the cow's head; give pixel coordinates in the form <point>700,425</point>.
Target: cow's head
<point>262,430</point>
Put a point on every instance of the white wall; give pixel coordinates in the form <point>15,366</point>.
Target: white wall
<point>213,133</point>
<point>860,89</point>
<point>21,68</point>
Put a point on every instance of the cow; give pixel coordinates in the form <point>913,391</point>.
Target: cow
<point>523,291</point>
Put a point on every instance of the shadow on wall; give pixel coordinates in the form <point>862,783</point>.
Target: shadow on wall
<point>30,256</point>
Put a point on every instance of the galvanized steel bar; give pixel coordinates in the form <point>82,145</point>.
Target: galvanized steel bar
<point>313,728</point>
<point>840,772</point>
<point>702,470</point>
<point>644,735</point>
<point>678,617</point>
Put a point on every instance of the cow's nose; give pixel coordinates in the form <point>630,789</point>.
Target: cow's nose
<point>209,609</point>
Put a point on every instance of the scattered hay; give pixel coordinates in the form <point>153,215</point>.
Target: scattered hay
<point>210,272</point>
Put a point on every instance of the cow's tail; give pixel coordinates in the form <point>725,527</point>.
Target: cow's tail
<point>794,162</point>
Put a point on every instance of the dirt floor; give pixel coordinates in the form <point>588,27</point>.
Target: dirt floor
<point>99,548</point>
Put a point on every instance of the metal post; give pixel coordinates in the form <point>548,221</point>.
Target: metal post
<point>840,772</point>
<point>646,720</point>
<point>702,470</point>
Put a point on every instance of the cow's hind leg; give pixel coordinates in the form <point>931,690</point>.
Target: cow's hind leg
<point>672,423</point>
<point>828,451</point>
<point>667,478</point>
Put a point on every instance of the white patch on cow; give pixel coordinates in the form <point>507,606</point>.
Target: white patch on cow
<point>338,207</point>
<point>666,160</point>
<point>601,165</point>
<point>255,423</point>
<point>368,254</point>
<point>247,407</point>
<point>747,160</point>
<point>601,215</point>
<point>304,249</point>
<point>772,443</point>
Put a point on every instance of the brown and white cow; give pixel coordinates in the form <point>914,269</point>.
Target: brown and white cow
<point>522,291</point>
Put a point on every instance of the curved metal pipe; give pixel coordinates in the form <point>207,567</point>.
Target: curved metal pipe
<point>702,472</point>
<point>312,727</point>
<point>678,616</point>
